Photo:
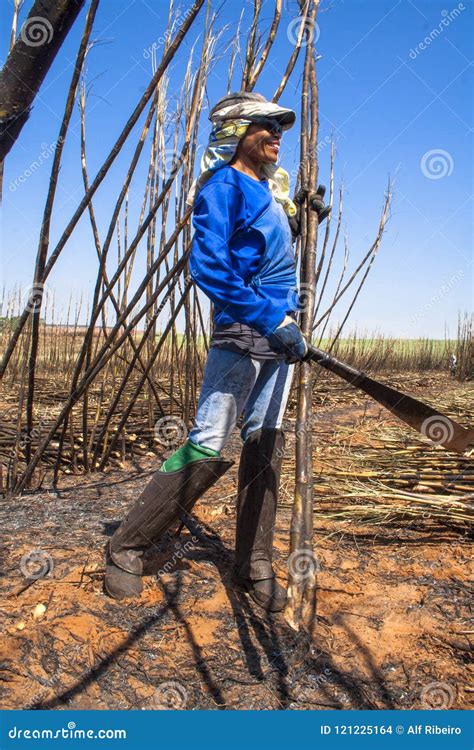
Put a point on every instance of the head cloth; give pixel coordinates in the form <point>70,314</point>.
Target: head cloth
<point>230,118</point>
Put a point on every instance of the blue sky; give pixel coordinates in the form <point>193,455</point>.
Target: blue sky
<point>395,89</point>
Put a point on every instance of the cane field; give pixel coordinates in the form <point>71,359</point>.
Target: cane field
<point>391,529</point>
<point>104,337</point>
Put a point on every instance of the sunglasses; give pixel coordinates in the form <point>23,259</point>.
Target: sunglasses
<point>269,123</point>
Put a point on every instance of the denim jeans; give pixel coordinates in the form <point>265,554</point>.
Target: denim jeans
<point>236,383</point>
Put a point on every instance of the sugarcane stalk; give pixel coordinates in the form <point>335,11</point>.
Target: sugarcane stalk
<point>165,61</point>
<point>300,608</point>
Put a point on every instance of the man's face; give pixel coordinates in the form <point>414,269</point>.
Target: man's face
<point>260,144</point>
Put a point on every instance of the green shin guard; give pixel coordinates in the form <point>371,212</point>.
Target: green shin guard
<point>186,454</point>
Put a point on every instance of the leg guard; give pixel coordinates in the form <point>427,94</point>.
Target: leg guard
<point>167,495</point>
<point>257,498</point>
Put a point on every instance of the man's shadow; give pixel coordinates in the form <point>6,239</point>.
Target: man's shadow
<point>275,638</point>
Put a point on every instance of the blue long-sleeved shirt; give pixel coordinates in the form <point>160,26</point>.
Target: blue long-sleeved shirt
<point>242,254</point>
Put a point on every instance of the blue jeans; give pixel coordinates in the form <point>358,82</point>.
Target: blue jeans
<point>234,383</point>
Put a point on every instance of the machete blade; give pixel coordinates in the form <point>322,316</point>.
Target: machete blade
<point>434,425</point>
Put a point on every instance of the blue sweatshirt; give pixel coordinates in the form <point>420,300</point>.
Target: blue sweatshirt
<point>242,252</point>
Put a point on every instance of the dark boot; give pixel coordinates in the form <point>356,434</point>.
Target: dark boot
<point>164,499</point>
<point>257,498</point>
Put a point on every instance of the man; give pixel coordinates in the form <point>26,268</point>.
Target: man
<point>242,258</point>
<point>453,364</point>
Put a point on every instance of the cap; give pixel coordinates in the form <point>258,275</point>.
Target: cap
<point>242,103</point>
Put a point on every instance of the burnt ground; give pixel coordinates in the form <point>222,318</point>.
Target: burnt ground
<point>392,628</point>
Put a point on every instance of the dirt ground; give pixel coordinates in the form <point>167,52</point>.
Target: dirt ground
<point>393,627</point>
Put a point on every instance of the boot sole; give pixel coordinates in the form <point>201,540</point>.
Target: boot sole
<point>116,592</point>
<point>246,588</point>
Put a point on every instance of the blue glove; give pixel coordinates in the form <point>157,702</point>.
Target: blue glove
<point>288,339</point>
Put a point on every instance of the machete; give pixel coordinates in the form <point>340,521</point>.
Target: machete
<point>440,429</point>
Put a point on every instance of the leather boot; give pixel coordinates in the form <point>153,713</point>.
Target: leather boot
<point>257,498</point>
<point>164,499</point>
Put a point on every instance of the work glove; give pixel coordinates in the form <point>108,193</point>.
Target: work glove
<point>287,338</point>
<point>316,202</point>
